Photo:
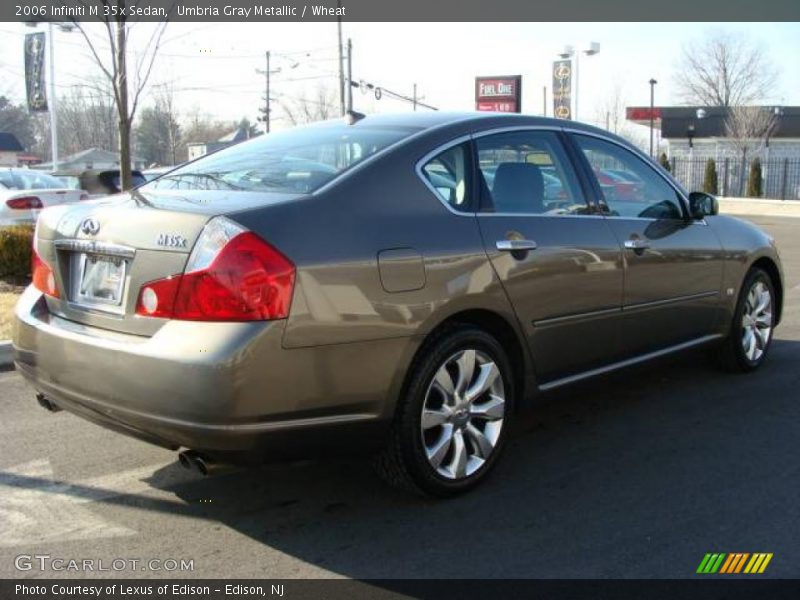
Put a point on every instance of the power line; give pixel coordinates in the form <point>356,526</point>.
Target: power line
<point>380,92</point>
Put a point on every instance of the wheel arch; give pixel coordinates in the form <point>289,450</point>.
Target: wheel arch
<point>501,329</point>
<point>770,266</point>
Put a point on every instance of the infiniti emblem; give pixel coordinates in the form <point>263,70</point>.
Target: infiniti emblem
<point>90,226</point>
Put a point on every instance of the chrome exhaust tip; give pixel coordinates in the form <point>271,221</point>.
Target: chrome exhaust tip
<point>194,461</point>
<point>47,405</point>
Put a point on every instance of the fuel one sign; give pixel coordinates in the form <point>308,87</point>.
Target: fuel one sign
<point>499,94</point>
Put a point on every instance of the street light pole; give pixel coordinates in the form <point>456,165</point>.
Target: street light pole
<point>653,83</point>
<point>266,100</point>
<point>53,101</point>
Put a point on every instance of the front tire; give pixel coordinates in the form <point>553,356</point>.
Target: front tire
<point>453,417</point>
<point>750,337</point>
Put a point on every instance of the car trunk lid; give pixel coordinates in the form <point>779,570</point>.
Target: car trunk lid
<point>103,252</point>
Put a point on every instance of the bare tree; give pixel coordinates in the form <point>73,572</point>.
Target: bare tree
<point>610,111</point>
<point>126,83</point>
<point>165,101</point>
<point>725,69</point>
<point>200,127</point>
<point>304,109</point>
<point>749,126</point>
<point>87,115</point>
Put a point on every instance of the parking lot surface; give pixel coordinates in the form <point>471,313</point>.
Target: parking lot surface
<point>637,474</point>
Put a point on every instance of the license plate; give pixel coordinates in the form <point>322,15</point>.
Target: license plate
<point>102,280</point>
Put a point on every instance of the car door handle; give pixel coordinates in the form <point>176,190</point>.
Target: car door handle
<point>515,245</point>
<point>636,244</point>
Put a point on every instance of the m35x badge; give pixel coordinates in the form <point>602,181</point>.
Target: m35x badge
<point>170,240</point>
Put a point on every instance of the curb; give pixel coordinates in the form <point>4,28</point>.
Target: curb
<point>6,354</point>
<point>758,207</point>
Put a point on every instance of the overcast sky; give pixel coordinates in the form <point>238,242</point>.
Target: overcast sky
<point>212,66</point>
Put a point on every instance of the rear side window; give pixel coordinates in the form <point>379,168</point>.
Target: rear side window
<point>447,175</point>
<point>527,172</point>
<point>298,160</point>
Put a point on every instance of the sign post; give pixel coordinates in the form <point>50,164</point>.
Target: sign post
<point>562,89</point>
<point>499,94</point>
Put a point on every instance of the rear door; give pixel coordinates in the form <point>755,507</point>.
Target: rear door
<point>559,262</point>
<point>673,264</point>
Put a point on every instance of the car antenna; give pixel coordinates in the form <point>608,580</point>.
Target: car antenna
<point>351,117</point>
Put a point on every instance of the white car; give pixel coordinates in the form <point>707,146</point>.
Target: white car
<point>24,192</point>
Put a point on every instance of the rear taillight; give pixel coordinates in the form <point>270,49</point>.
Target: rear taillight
<point>232,275</point>
<point>42,275</point>
<point>25,203</point>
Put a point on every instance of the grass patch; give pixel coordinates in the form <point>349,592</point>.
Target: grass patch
<point>7,302</point>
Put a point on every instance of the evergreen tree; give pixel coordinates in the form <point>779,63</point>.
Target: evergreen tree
<point>664,161</point>
<point>710,184</point>
<point>754,181</point>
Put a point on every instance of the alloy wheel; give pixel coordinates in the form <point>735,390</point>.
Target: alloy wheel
<point>757,321</point>
<point>462,415</point>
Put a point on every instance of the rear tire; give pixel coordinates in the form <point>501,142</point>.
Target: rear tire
<point>453,416</point>
<point>750,337</point>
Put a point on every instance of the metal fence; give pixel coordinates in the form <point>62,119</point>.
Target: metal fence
<point>780,177</point>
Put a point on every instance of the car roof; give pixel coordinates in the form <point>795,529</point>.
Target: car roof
<point>430,119</point>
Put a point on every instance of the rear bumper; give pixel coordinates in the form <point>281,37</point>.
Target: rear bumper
<point>222,388</point>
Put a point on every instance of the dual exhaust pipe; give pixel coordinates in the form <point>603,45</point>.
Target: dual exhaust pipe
<point>189,459</point>
<point>194,461</point>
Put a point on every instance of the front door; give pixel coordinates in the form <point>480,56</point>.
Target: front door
<point>673,264</point>
<point>559,262</point>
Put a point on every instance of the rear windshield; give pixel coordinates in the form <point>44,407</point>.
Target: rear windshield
<point>298,160</point>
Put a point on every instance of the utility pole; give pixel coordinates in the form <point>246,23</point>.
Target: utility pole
<point>349,74</point>
<point>267,110</point>
<point>341,59</point>
<point>415,97</point>
<point>544,100</point>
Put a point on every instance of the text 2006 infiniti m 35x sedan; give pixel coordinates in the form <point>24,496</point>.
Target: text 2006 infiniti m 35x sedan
<point>391,284</point>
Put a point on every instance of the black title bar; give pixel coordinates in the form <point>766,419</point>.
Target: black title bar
<point>401,10</point>
<point>730,588</point>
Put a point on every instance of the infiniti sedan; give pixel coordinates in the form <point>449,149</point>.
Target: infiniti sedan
<point>393,285</point>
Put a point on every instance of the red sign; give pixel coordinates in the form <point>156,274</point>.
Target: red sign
<point>642,113</point>
<point>500,94</point>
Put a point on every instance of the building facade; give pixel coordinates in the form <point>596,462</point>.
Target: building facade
<point>695,134</point>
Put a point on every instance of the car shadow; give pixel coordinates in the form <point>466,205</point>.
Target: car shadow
<point>636,474</point>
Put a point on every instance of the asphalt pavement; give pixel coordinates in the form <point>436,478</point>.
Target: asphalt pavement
<point>637,474</point>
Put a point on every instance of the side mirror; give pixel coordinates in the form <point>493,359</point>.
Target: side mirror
<point>703,205</point>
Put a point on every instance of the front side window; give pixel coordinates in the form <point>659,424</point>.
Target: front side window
<point>447,175</point>
<point>527,172</point>
<point>630,188</point>
<point>298,160</point>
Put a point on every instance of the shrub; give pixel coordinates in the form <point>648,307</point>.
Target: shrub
<point>664,161</point>
<point>710,184</point>
<point>15,252</point>
<point>754,181</point>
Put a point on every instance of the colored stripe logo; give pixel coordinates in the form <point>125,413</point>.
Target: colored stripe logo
<point>735,562</point>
